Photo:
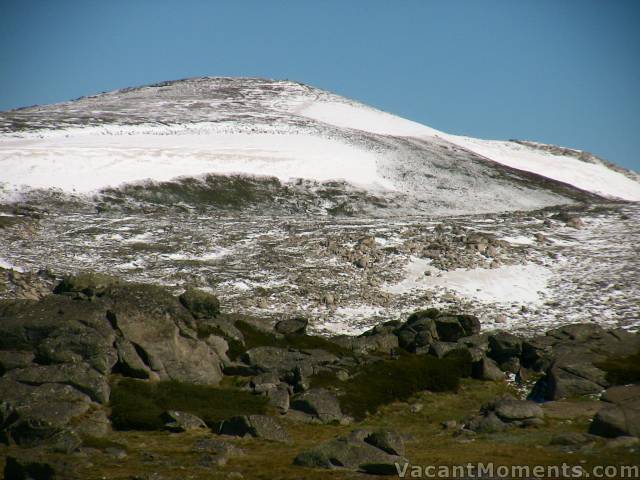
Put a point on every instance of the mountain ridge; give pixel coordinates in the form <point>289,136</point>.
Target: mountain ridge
<point>204,126</point>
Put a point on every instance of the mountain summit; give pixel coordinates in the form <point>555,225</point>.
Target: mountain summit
<point>305,139</point>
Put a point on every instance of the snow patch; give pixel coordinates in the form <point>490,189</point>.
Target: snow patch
<point>507,284</point>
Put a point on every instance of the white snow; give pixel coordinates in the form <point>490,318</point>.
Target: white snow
<point>10,266</point>
<point>215,254</point>
<point>507,284</point>
<point>586,176</point>
<point>85,161</point>
<point>285,135</point>
<point>519,240</point>
<point>362,117</point>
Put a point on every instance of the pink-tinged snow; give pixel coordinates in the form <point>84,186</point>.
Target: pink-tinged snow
<point>586,176</point>
<point>85,160</point>
<point>507,284</point>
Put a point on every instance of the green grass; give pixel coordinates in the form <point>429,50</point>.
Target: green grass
<point>101,443</point>
<point>139,405</point>
<point>387,381</point>
<point>622,370</point>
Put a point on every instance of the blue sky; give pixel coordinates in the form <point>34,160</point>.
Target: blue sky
<point>564,72</point>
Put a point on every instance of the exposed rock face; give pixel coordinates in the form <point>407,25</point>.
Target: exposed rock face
<point>621,415</point>
<point>358,451</point>
<point>283,360</point>
<point>424,329</point>
<point>569,356</point>
<point>56,354</point>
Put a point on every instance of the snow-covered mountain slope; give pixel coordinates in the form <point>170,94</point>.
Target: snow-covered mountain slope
<point>290,131</point>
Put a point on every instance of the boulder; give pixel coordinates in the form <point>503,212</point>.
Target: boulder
<point>565,380</point>
<point>31,414</point>
<point>513,410</point>
<point>157,324</point>
<point>319,403</point>
<point>440,349</point>
<point>617,420</point>
<point>177,421</point>
<point>487,369</point>
<point>201,304</point>
<point>279,398</point>
<point>503,346</point>
<point>78,375</point>
<point>264,382</point>
<point>621,414</point>
<point>387,440</point>
<point>284,360</point>
<point>292,326</point>
<point>622,394</point>
<point>350,453</point>
<point>489,423</point>
<point>506,412</point>
<point>259,426</point>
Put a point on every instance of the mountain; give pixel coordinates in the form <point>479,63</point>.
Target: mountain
<point>280,144</point>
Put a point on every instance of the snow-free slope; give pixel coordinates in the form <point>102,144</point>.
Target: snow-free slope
<point>286,130</point>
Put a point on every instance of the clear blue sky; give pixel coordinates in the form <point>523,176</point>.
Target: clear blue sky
<point>558,71</point>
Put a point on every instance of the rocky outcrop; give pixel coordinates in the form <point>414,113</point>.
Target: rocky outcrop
<point>200,304</point>
<point>56,354</point>
<point>504,413</point>
<point>621,414</point>
<point>319,404</point>
<point>569,356</point>
<point>364,450</point>
<point>259,426</point>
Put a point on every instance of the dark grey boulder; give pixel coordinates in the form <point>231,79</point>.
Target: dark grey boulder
<point>620,415</point>
<point>201,304</point>
<point>319,403</point>
<point>622,394</point>
<point>489,423</point>
<point>565,380</point>
<point>264,382</point>
<point>79,375</point>
<point>33,414</point>
<point>292,326</point>
<point>487,369</point>
<point>177,421</point>
<point>284,360</point>
<point>503,346</point>
<point>130,363</point>
<point>440,349</point>
<point>279,398</point>
<point>387,440</point>
<point>349,453</point>
<point>259,426</point>
<point>512,410</point>
<point>163,342</point>
<point>616,421</point>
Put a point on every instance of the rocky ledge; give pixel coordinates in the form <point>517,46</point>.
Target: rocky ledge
<point>98,355</point>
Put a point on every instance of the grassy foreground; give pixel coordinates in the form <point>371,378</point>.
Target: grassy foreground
<point>170,456</point>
